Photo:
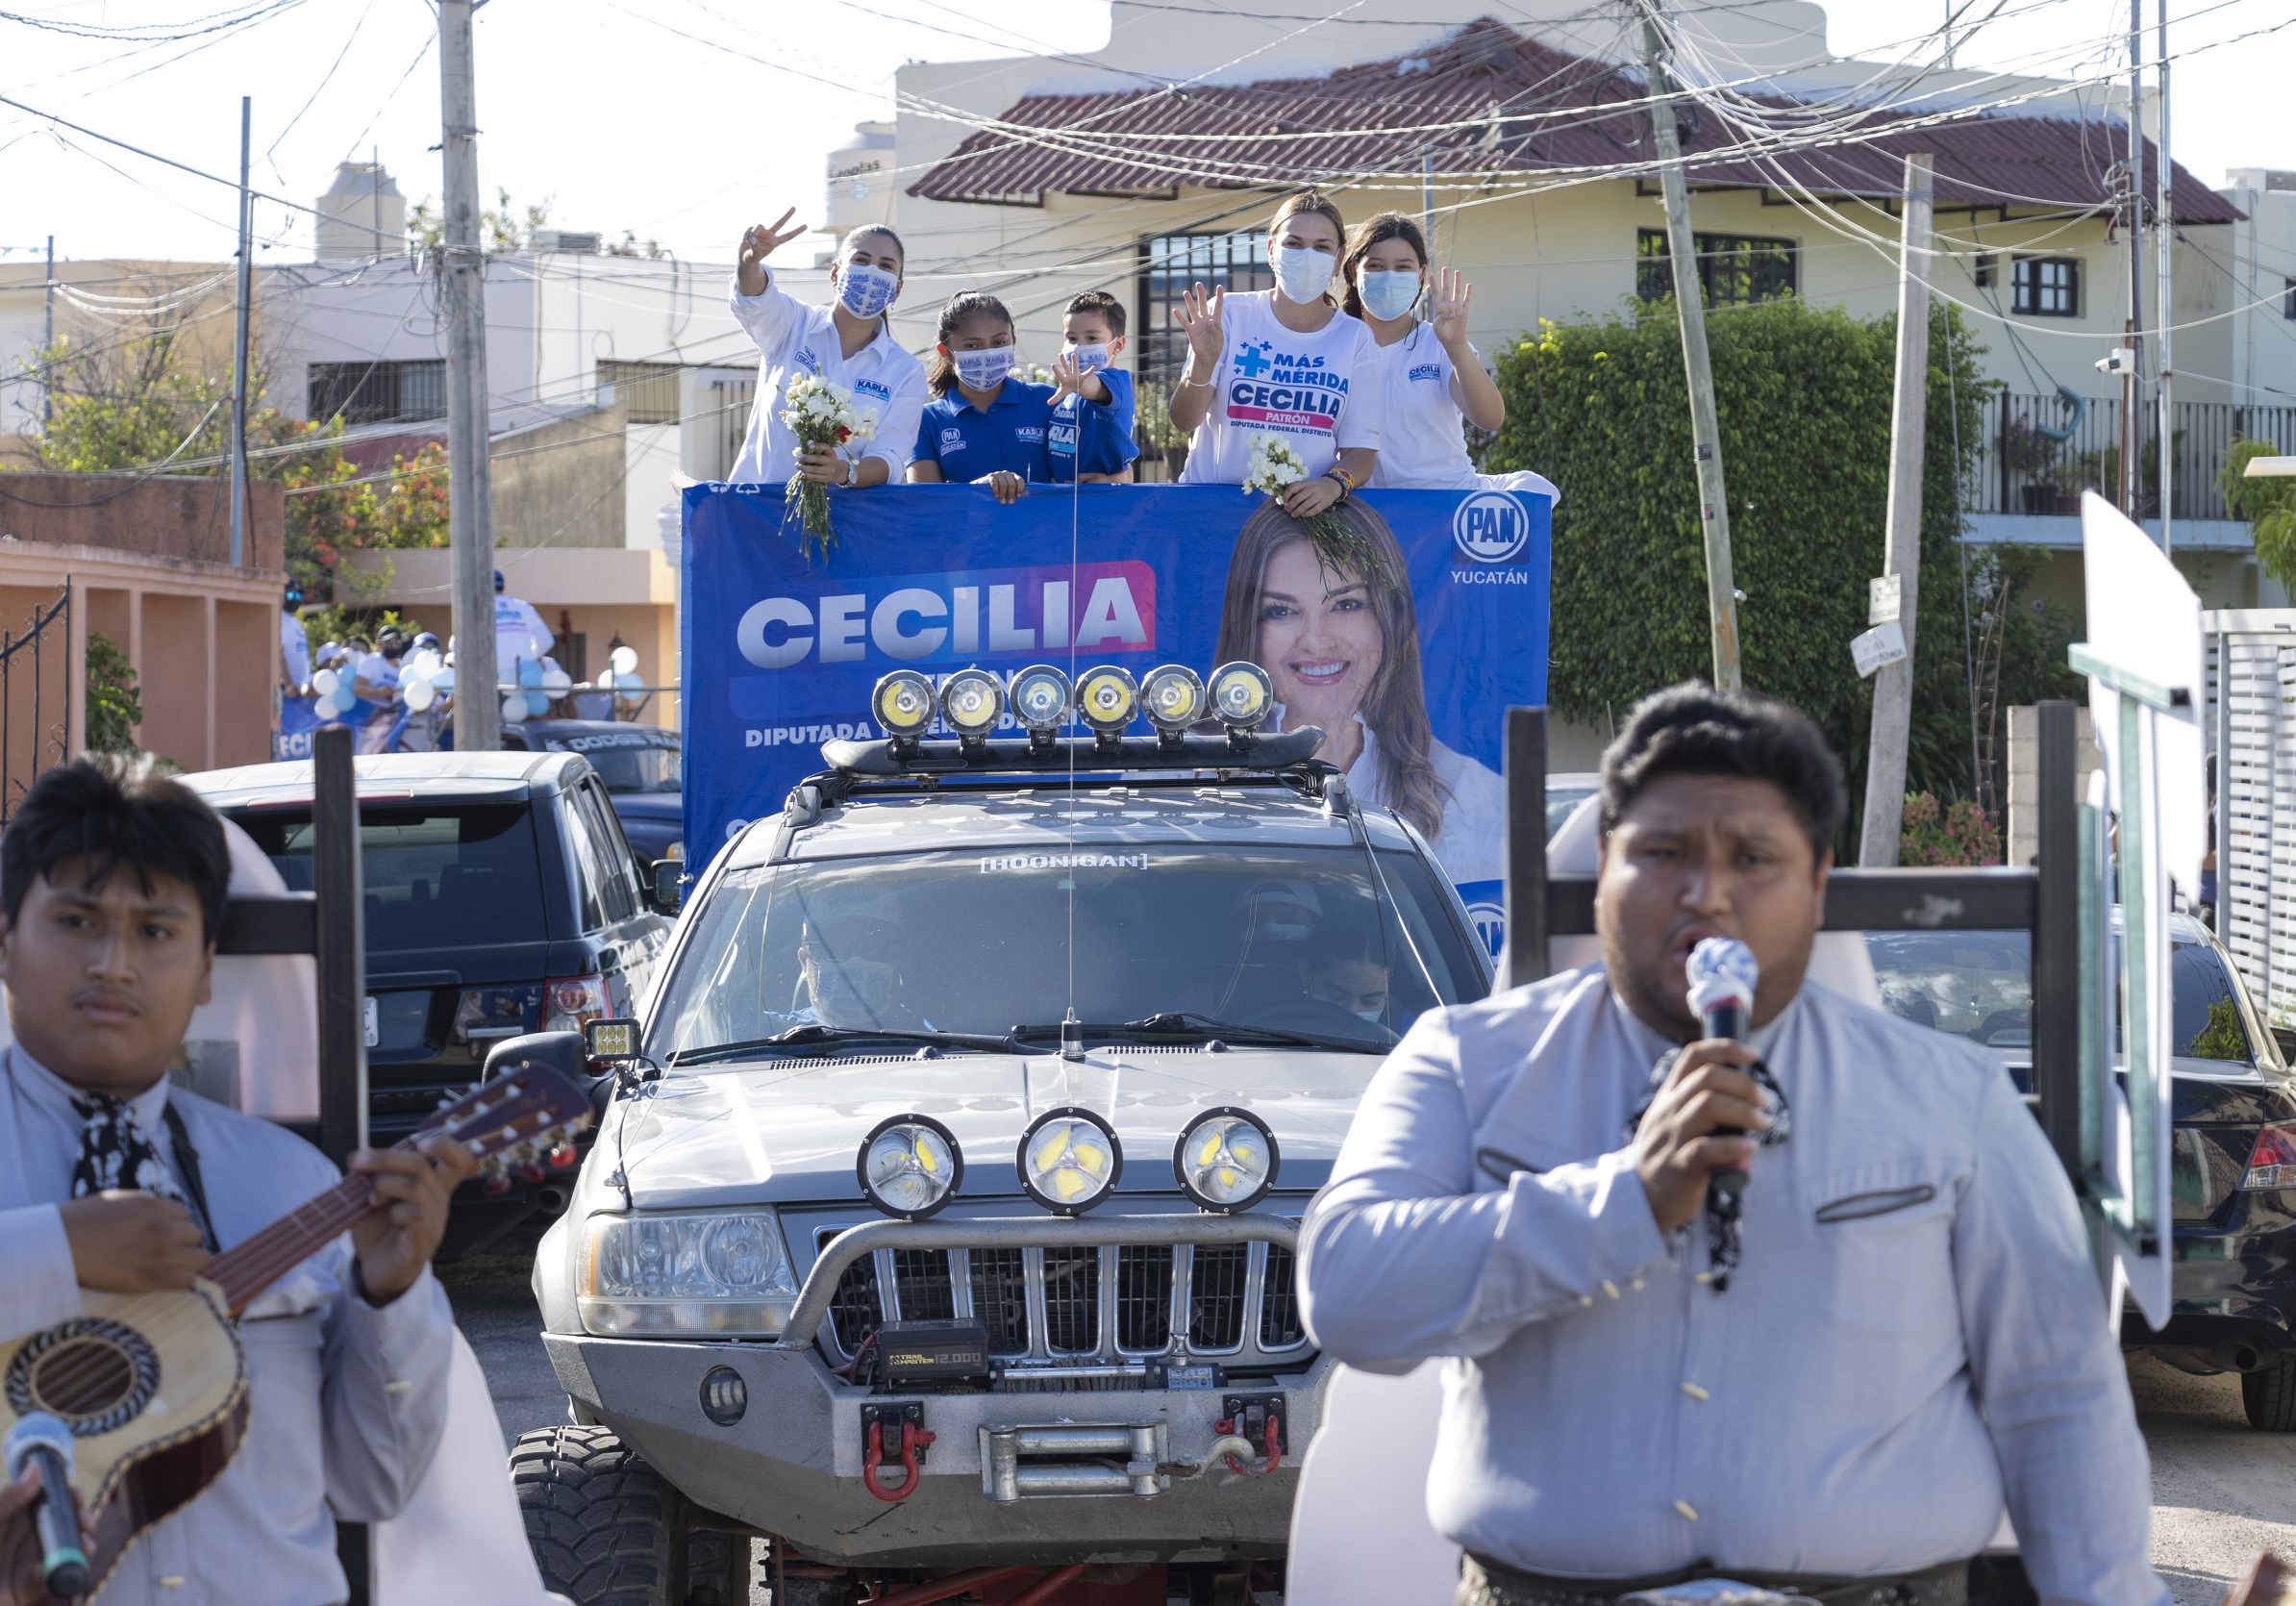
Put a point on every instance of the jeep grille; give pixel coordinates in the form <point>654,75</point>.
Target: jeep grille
<point>1109,1304</point>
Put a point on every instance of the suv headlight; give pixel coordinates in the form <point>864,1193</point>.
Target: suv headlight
<point>712,1272</point>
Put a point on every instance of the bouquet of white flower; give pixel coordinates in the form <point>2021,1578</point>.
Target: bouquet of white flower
<point>1337,544</point>
<point>821,414</point>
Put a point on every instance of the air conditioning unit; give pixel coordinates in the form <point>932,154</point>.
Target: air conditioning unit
<point>573,241</point>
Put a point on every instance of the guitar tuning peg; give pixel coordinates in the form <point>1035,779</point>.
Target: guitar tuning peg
<point>495,1186</point>
<point>562,1157</point>
<point>529,1172</point>
<point>447,1103</point>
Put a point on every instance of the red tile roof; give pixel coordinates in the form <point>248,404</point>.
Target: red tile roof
<point>1489,103</point>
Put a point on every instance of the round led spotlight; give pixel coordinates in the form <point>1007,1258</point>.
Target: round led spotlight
<point>1241,696</point>
<point>1107,698</point>
<point>1070,1161</point>
<point>972,701</point>
<point>1039,696</point>
<point>1174,697</point>
<point>1226,1159</point>
<point>910,1167</point>
<point>904,703</point>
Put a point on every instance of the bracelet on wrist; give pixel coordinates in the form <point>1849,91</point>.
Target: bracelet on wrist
<point>1347,481</point>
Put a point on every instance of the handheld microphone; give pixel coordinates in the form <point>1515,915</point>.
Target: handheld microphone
<point>1723,972</point>
<point>47,1444</point>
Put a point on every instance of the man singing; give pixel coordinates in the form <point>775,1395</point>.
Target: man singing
<point>112,879</point>
<point>1837,1392</point>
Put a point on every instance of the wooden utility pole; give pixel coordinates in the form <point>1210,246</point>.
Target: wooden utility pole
<point>2165,234</point>
<point>238,344</point>
<point>1706,433</point>
<point>470,479</point>
<point>2131,434</point>
<point>1893,683</point>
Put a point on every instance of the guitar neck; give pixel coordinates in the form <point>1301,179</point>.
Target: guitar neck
<point>249,1268</point>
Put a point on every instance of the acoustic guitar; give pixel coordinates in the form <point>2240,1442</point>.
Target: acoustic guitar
<point>154,1386</point>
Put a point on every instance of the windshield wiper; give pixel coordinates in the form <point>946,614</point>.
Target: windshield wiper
<point>1183,1024</point>
<point>812,1035</point>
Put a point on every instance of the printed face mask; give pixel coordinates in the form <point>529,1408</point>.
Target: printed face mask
<point>983,371</point>
<point>866,290</point>
<point>1088,358</point>
<point>1302,271</point>
<point>1389,295</point>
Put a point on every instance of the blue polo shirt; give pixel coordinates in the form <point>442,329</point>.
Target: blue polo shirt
<point>968,442</point>
<point>1093,438</point>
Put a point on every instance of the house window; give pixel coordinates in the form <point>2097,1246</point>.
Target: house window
<point>1982,270</point>
<point>1734,270</point>
<point>378,392</point>
<point>2287,305</point>
<point>648,390</point>
<point>1170,263</point>
<point>2045,286</point>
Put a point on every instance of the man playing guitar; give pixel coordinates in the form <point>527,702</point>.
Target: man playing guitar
<point>112,881</point>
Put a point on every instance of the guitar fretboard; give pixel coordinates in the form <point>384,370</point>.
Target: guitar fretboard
<point>248,1267</point>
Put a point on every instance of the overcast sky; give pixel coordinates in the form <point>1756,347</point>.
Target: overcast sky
<point>602,109</point>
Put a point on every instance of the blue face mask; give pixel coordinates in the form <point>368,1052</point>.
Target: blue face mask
<point>983,371</point>
<point>1389,295</point>
<point>865,290</point>
<point>1087,358</point>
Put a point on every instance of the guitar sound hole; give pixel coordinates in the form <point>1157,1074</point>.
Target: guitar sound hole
<point>98,1376</point>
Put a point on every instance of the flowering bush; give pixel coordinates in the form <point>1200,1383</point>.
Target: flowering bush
<point>821,414</point>
<point>1953,833</point>
<point>1274,465</point>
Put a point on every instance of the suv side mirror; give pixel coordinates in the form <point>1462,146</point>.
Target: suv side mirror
<point>669,887</point>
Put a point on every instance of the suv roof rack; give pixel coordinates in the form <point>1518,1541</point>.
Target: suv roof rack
<point>890,760</point>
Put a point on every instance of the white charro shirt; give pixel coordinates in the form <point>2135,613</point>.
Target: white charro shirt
<point>794,338</point>
<point>347,1401</point>
<point>1915,1335</point>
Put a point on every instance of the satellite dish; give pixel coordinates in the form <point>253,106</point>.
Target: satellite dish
<point>514,710</point>
<point>625,661</point>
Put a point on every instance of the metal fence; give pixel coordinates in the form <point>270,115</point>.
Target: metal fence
<point>36,692</point>
<point>2037,454</point>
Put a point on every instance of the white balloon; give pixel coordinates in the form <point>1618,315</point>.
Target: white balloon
<point>337,703</point>
<point>419,693</point>
<point>556,682</point>
<point>625,661</point>
<point>442,680</point>
<point>425,664</point>
<point>604,680</point>
<point>324,683</point>
<point>514,708</point>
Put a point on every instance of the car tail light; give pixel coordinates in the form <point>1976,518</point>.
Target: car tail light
<point>2273,1164</point>
<point>573,1002</point>
<point>484,1014</point>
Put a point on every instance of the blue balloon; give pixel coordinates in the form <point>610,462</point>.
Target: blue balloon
<point>536,705</point>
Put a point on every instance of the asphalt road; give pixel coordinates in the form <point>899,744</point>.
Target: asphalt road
<point>2221,1491</point>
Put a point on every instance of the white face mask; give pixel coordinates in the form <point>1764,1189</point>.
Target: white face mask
<point>1302,271</point>
<point>1087,358</point>
<point>983,371</point>
<point>1369,1014</point>
<point>1390,293</point>
<point>866,290</point>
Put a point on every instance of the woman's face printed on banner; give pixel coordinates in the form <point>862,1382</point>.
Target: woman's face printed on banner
<point>1319,641</point>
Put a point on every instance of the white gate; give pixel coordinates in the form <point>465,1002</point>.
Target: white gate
<point>2252,732</point>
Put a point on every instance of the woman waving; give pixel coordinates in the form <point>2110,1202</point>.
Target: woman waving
<point>850,345</point>
<point>1433,377</point>
<point>1286,364</point>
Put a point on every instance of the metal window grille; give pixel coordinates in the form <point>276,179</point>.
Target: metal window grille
<point>37,677</point>
<point>1734,270</point>
<point>378,392</point>
<point>2045,286</point>
<point>649,391</point>
<point>2037,454</point>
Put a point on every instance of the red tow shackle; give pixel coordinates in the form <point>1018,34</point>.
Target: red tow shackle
<point>913,1439</point>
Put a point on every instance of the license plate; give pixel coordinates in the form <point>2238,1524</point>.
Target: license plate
<point>371,1018</point>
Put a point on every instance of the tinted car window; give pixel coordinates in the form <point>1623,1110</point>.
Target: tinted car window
<point>449,876</point>
<point>617,887</point>
<point>635,769</point>
<point>974,941</point>
<point>1978,984</point>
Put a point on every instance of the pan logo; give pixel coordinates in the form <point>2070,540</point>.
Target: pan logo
<point>1489,921</point>
<point>1490,526</point>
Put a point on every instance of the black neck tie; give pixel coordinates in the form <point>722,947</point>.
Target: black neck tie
<point>115,1153</point>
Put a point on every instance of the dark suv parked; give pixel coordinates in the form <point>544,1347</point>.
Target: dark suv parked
<point>639,765</point>
<point>502,897</point>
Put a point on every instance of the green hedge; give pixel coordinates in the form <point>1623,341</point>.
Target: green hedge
<point>1804,397</point>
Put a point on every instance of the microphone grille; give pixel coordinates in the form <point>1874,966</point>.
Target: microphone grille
<point>1720,969</point>
<point>33,1430</point>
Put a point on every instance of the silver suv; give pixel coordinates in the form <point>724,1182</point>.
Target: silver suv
<point>944,1231</point>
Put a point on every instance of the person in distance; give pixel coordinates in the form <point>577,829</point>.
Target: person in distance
<point>1837,1393</point>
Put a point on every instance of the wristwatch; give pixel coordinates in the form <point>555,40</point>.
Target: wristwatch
<point>852,473</point>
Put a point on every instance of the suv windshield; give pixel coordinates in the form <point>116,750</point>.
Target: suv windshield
<point>626,770</point>
<point>1978,984</point>
<point>1293,941</point>
<point>440,876</point>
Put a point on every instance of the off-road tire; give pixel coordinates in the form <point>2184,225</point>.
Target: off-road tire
<point>2269,1394</point>
<point>608,1530</point>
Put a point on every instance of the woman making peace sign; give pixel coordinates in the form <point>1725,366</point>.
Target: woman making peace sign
<point>1286,364</point>
<point>1433,377</point>
<point>850,345</point>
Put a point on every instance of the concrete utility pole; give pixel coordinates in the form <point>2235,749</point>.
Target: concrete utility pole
<point>1893,683</point>
<point>238,346</point>
<point>1706,433</point>
<point>2132,382</point>
<point>470,479</point>
<point>47,344</point>
<point>2164,238</point>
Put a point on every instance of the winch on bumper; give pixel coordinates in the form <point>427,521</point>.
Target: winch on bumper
<point>1136,1459</point>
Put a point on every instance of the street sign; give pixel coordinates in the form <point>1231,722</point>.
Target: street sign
<point>1885,599</point>
<point>1879,647</point>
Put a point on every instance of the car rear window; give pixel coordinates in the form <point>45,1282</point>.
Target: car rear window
<point>452,876</point>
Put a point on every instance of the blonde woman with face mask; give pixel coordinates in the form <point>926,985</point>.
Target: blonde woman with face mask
<point>1286,364</point>
<point>1433,377</point>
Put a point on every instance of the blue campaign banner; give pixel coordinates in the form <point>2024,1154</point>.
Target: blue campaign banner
<point>780,653</point>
